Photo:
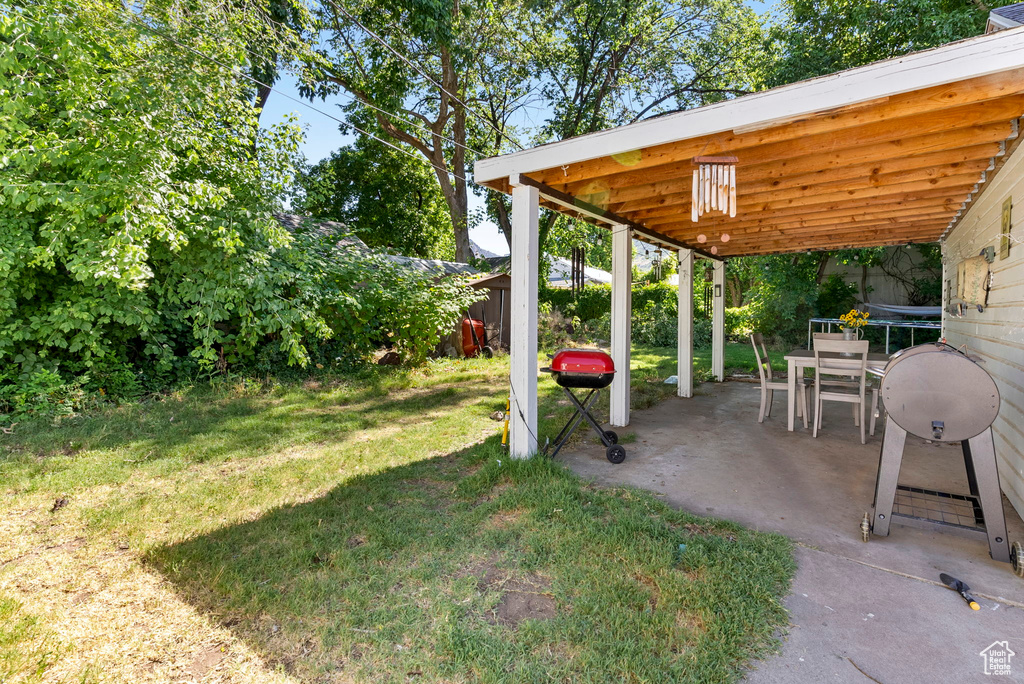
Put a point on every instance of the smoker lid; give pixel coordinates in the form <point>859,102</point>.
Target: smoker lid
<point>582,361</point>
<point>934,383</point>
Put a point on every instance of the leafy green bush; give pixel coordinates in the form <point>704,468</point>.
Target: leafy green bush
<point>655,324</point>
<point>738,323</point>
<point>655,317</point>
<point>138,190</point>
<point>703,332</point>
<point>836,297</point>
<point>137,210</point>
<point>41,393</point>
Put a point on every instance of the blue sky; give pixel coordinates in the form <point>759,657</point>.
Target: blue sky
<point>323,137</point>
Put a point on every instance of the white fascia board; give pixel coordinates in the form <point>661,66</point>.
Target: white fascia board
<point>1000,23</point>
<point>971,58</point>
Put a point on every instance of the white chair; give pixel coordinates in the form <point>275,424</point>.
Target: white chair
<point>768,385</point>
<point>829,366</point>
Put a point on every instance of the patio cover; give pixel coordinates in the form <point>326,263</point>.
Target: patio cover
<point>883,154</point>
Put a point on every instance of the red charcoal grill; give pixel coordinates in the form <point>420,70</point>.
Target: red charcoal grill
<point>584,369</point>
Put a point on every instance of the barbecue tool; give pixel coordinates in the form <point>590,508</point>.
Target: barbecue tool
<point>960,588</point>
<point>584,369</point>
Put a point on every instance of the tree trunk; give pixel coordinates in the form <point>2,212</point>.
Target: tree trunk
<point>822,265</point>
<point>735,291</point>
<point>504,220</point>
<point>864,282</point>
<point>262,95</point>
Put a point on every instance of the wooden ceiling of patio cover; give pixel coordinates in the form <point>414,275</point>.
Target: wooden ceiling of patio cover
<point>889,171</point>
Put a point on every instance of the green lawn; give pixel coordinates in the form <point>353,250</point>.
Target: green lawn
<point>360,529</point>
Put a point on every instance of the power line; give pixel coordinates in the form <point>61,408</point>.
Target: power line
<point>424,74</point>
<point>370,105</point>
<point>242,74</point>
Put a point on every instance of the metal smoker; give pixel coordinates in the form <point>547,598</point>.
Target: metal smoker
<point>938,393</point>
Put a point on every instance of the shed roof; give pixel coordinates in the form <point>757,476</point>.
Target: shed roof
<point>346,238</point>
<point>1013,13</point>
<point>888,153</point>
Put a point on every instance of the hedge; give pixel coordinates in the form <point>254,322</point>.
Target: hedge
<point>655,309</point>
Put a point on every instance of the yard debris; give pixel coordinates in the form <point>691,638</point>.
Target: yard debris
<point>498,415</point>
<point>390,359</point>
<point>8,430</point>
<point>59,504</point>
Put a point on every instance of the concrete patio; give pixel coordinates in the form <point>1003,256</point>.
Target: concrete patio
<point>859,612</point>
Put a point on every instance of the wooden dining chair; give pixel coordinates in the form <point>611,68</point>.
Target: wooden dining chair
<point>852,382</point>
<point>769,385</point>
<point>831,380</point>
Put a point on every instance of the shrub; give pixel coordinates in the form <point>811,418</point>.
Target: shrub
<point>41,393</point>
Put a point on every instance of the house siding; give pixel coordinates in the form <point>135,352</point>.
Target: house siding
<point>996,335</point>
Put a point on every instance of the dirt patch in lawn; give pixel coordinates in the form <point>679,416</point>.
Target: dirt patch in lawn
<point>523,597</point>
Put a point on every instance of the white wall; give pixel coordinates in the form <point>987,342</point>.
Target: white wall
<point>996,335</point>
<point>881,288</point>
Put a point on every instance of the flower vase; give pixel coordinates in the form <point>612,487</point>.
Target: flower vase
<point>850,335</point>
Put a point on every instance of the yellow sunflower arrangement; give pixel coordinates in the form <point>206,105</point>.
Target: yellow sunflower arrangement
<point>855,319</point>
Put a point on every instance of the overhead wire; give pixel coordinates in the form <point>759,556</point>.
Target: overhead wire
<point>242,74</point>
<point>370,105</point>
<point>424,74</point>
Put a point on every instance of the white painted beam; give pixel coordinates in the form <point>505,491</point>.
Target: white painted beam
<point>523,328</point>
<point>622,304</point>
<point>684,350</point>
<point>972,58</point>
<point>718,322</point>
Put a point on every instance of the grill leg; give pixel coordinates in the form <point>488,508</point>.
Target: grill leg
<point>889,461</point>
<point>980,452</point>
<point>585,412</point>
<point>574,422</point>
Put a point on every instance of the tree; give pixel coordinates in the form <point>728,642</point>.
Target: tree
<point>826,36</point>
<point>387,198</point>
<point>276,33</point>
<point>604,63</point>
<point>416,67</point>
<point>137,191</point>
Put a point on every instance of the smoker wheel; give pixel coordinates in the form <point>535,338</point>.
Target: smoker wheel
<point>616,454</point>
<point>611,436</point>
<point>1017,558</point>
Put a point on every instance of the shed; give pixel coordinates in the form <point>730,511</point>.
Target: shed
<point>494,311</point>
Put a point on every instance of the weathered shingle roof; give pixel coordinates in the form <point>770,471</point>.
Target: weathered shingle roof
<point>433,265</point>
<point>1014,13</point>
<point>347,239</point>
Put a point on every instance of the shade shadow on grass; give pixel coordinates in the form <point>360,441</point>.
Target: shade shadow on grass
<point>404,574</point>
<point>161,438</point>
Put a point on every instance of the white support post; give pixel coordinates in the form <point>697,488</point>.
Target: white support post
<point>684,350</point>
<point>622,304</point>
<point>523,328</point>
<point>718,322</point>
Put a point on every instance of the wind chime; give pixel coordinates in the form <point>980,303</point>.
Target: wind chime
<point>714,186</point>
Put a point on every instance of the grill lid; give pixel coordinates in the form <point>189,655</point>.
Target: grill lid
<point>582,361</point>
<point>935,392</point>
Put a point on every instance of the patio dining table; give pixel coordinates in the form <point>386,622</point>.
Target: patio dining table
<point>798,359</point>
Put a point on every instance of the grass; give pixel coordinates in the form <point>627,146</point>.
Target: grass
<point>25,651</point>
<point>360,529</point>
